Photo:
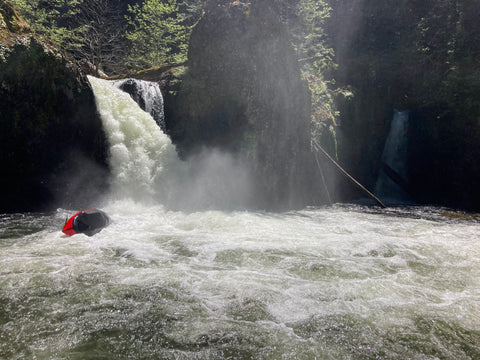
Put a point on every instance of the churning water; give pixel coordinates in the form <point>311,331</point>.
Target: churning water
<point>340,282</point>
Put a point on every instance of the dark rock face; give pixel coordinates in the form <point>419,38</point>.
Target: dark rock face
<point>243,93</point>
<point>52,146</point>
<point>444,158</point>
<point>147,95</point>
<point>397,55</point>
<point>365,123</point>
<point>443,150</point>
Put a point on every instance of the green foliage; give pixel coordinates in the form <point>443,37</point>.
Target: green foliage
<point>2,22</point>
<point>306,20</point>
<point>158,33</point>
<point>90,29</point>
<point>54,19</point>
<point>447,49</point>
<point>311,44</point>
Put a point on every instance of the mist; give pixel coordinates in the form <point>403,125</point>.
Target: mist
<point>212,179</point>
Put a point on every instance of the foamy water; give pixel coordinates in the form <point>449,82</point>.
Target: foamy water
<point>339,282</point>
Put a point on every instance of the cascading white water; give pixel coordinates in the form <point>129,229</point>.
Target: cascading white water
<point>142,157</point>
<point>394,159</point>
<point>146,167</point>
<point>147,95</point>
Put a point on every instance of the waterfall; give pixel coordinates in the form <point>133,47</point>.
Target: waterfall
<point>142,158</point>
<point>145,166</point>
<point>147,95</point>
<point>392,182</point>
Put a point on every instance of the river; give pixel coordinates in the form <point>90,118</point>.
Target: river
<point>181,275</point>
<point>340,282</point>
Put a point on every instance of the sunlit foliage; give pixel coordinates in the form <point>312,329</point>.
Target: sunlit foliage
<point>306,21</point>
<point>93,30</point>
<point>159,31</point>
<point>54,19</point>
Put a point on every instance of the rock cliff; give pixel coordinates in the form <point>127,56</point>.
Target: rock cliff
<point>421,57</point>
<point>52,146</point>
<point>243,93</point>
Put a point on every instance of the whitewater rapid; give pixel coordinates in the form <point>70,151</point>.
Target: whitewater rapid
<point>345,282</point>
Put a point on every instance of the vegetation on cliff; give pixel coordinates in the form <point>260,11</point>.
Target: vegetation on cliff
<point>116,35</point>
<point>119,36</point>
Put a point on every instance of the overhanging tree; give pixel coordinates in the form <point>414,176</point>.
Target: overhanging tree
<point>102,40</point>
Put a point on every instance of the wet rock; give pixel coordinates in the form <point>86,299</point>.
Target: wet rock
<point>243,93</point>
<point>52,146</point>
